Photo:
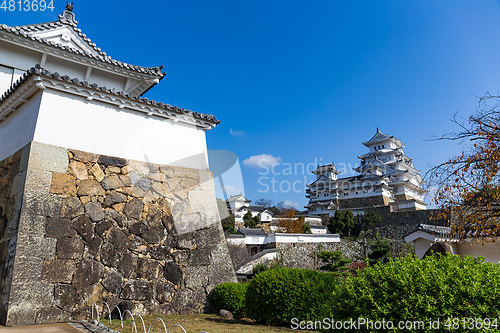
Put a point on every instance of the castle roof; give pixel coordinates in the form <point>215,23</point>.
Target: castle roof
<point>380,137</point>
<point>238,197</point>
<point>123,99</point>
<point>63,39</point>
<point>324,169</point>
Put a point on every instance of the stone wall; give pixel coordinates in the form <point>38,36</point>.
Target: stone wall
<point>378,200</point>
<point>12,176</point>
<point>94,228</point>
<point>396,225</point>
<point>304,255</point>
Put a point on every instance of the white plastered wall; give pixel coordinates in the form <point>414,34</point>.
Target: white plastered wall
<point>18,128</point>
<point>71,121</point>
<point>490,251</point>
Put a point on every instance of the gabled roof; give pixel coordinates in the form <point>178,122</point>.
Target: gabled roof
<point>238,197</point>
<point>164,109</point>
<point>64,36</point>
<point>381,137</point>
<point>324,169</point>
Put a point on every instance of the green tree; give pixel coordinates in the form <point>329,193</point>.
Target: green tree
<point>228,225</point>
<point>381,250</point>
<point>306,229</point>
<point>370,218</point>
<point>334,262</point>
<point>342,223</point>
<point>251,221</point>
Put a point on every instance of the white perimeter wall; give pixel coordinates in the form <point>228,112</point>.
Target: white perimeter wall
<point>18,128</point>
<point>72,122</point>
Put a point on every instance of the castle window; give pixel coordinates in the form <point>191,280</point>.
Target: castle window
<point>383,147</point>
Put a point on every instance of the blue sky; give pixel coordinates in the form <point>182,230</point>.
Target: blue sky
<point>306,81</point>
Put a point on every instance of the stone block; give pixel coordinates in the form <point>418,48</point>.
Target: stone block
<point>108,254</point>
<point>103,226</point>
<point>94,211</point>
<point>126,265</point>
<point>166,309</point>
<point>114,198</point>
<point>83,225</point>
<point>84,156</point>
<point>133,209</point>
<point>94,247</point>
<point>87,273</point>
<point>113,282</point>
<point>58,271</point>
<point>37,204</point>
<point>97,172</point>
<point>59,228</point>
<point>163,291</point>
<point>63,183</point>
<point>35,226</point>
<point>154,235</point>
<point>147,269</point>
<point>139,245</point>
<point>69,248</point>
<point>52,315</point>
<point>181,298</point>
<point>112,161</point>
<point>65,297</point>
<point>200,257</point>
<point>119,240</point>
<point>48,158</point>
<point>186,241</point>
<point>136,227</point>
<point>208,237</point>
<point>196,276</point>
<point>90,187</point>
<point>20,315</point>
<point>111,182</point>
<point>172,272</point>
<point>39,247</point>
<point>137,290</point>
<point>160,252</point>
<point>27,269</point>
<point>118,218</point>
<point>79,169</point>
<point>18,183</point>
<point>71,207</point>
<point>180,257</point>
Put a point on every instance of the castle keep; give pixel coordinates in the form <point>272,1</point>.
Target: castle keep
<point>104,195</point>
<point>387,178</point>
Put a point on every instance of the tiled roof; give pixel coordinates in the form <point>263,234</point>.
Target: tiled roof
<point>434,230</point>
<point>252,231</point>
<point>253,208</point>
<point>38,70</point>
<point>26,30</point>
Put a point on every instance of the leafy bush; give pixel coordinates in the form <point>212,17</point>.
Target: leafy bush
<point>381,250</point>
<point>230,296</point>
<point>306,229</point>
<point>410,289</point>
<point>276,296</point>
<point>334,262</point>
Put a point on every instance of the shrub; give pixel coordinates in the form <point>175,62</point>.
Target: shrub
<point>334,262</point>
<point>410,289</point>
<point>230,296</point>
<point>228,225</point>
<point>276,296</point>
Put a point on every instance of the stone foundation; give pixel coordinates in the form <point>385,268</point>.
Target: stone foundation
<point>84,228</point>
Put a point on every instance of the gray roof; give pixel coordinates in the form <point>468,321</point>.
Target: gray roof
<point>434,230</point>
<point>252,231</point>
<point>254,208</point>
<point>25,30</point>
<point>38,70</point>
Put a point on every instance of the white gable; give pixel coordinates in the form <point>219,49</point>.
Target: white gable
<point>65,37</point>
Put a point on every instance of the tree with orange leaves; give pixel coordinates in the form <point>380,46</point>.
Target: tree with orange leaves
<point>290,224</point>
<point>469,183</point>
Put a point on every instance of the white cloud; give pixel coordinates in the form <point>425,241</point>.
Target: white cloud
<point>236,133</point>
<point>261,161</point>
<point>231,190</point>
<point>291,204</point>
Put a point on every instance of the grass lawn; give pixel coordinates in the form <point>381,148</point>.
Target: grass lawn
<point>194,324</point>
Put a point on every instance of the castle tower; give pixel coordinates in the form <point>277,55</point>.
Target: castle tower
<point>386,177</point>
<point>104,195</point>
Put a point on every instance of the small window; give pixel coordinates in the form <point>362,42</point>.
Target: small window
<point>383,147</point>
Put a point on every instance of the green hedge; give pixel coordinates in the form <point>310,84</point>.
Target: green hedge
<point>278,295</point>
<point>230,296</point>
<point>416,290</point>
